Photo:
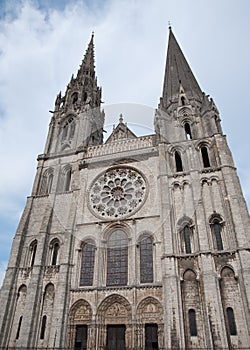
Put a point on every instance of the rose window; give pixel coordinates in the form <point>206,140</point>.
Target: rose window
<point>118,192</point>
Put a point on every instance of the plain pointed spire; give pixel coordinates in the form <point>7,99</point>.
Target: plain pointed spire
<point>178,72</point>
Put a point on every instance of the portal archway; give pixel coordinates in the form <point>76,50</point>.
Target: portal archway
<point>114,318</point>
<point>80,331</point>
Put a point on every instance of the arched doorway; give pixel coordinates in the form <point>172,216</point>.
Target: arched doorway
<point>80,327</point>
<point>149,332</point>
<point>114,324</point>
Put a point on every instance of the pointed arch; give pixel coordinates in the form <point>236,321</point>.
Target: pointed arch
<point>54,252</point>
<point>146,260</point>
<point>216,224</point>
<point>64,184</point>
<point>46,181</point>
<point>68,126</point>
<point>32,253</point>
<point>88,249</point>
<point>185,228</point>
<point>117,258</point>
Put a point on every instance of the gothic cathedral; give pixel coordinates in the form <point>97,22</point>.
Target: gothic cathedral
<point>138,242</point>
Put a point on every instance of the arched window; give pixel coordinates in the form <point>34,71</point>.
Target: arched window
<point>55,250</point>
<point>186,233</point>
<point>33,249</point>
<point>192,323</point>
<point>117,259</point>
<point>178,161</point>
<point>46,183</point>
<point>68,129</point>
<point>87,264</point>
<point>19,327</point>
<point>146,260</point>
<point>64,132</point>
<point>231,321</point>
<point>183,101</point>
<point>43,327</point>
<point>74,97</point>
<point>205,158</point>
<point>67,180</point>
<point>72,130</point>
<point>216,228</point>
<point>188,131</point>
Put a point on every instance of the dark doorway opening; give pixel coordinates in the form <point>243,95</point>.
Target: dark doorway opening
<point>81,337</point>
<point>116,337</point>
<point>151,336</point>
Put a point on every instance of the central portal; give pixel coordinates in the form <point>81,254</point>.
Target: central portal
<point>116,337</point>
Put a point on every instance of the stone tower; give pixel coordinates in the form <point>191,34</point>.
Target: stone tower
<point>135,243</point>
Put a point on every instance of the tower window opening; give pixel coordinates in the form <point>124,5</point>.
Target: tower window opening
<point>74,97</point>
<point>217,232</point>
<point>188,131</point>
<point>33,249</point>
<point>64,132</point>
<point>187,242</point>
<point>67,180</point>
<point>231,321</point>
<point>49,184</point>
<point>55,253</point>
<point>85,96</point>
<point>192,323</point>
<point>183,100</point>
<point>205,158</point>
<point>19,327</point>
<point>43,327</point>
<point>178,162</point>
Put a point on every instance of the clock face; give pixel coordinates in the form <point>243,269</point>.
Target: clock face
<point>117,193</point>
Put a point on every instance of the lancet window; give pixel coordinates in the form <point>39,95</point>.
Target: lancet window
<point>87,264</point>
<point>146,260</point>
<point>117,259</point>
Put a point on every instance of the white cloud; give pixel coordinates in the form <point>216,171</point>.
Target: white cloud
<point>41,48</point>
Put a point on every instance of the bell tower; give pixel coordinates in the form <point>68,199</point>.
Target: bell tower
<point>77,119</point>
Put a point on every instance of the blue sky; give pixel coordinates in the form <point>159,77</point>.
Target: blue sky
<point>42,43</point>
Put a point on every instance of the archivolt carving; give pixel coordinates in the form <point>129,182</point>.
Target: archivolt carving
<point>150,309</point>
<point>114,306</point>
<point>81,311</point>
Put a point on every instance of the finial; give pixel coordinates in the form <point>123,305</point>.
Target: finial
<point>169,25</point>
<point>121,118</point>
<point>93,33</point>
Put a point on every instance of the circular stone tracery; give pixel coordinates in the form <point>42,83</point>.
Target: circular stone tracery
<point>118,192</point>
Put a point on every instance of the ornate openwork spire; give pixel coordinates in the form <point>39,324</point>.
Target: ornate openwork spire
<point>88,63</point>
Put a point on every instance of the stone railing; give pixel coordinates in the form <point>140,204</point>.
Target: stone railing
<point>121,146</point>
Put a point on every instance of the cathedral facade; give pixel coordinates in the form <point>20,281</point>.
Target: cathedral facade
<point>136,242</point>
